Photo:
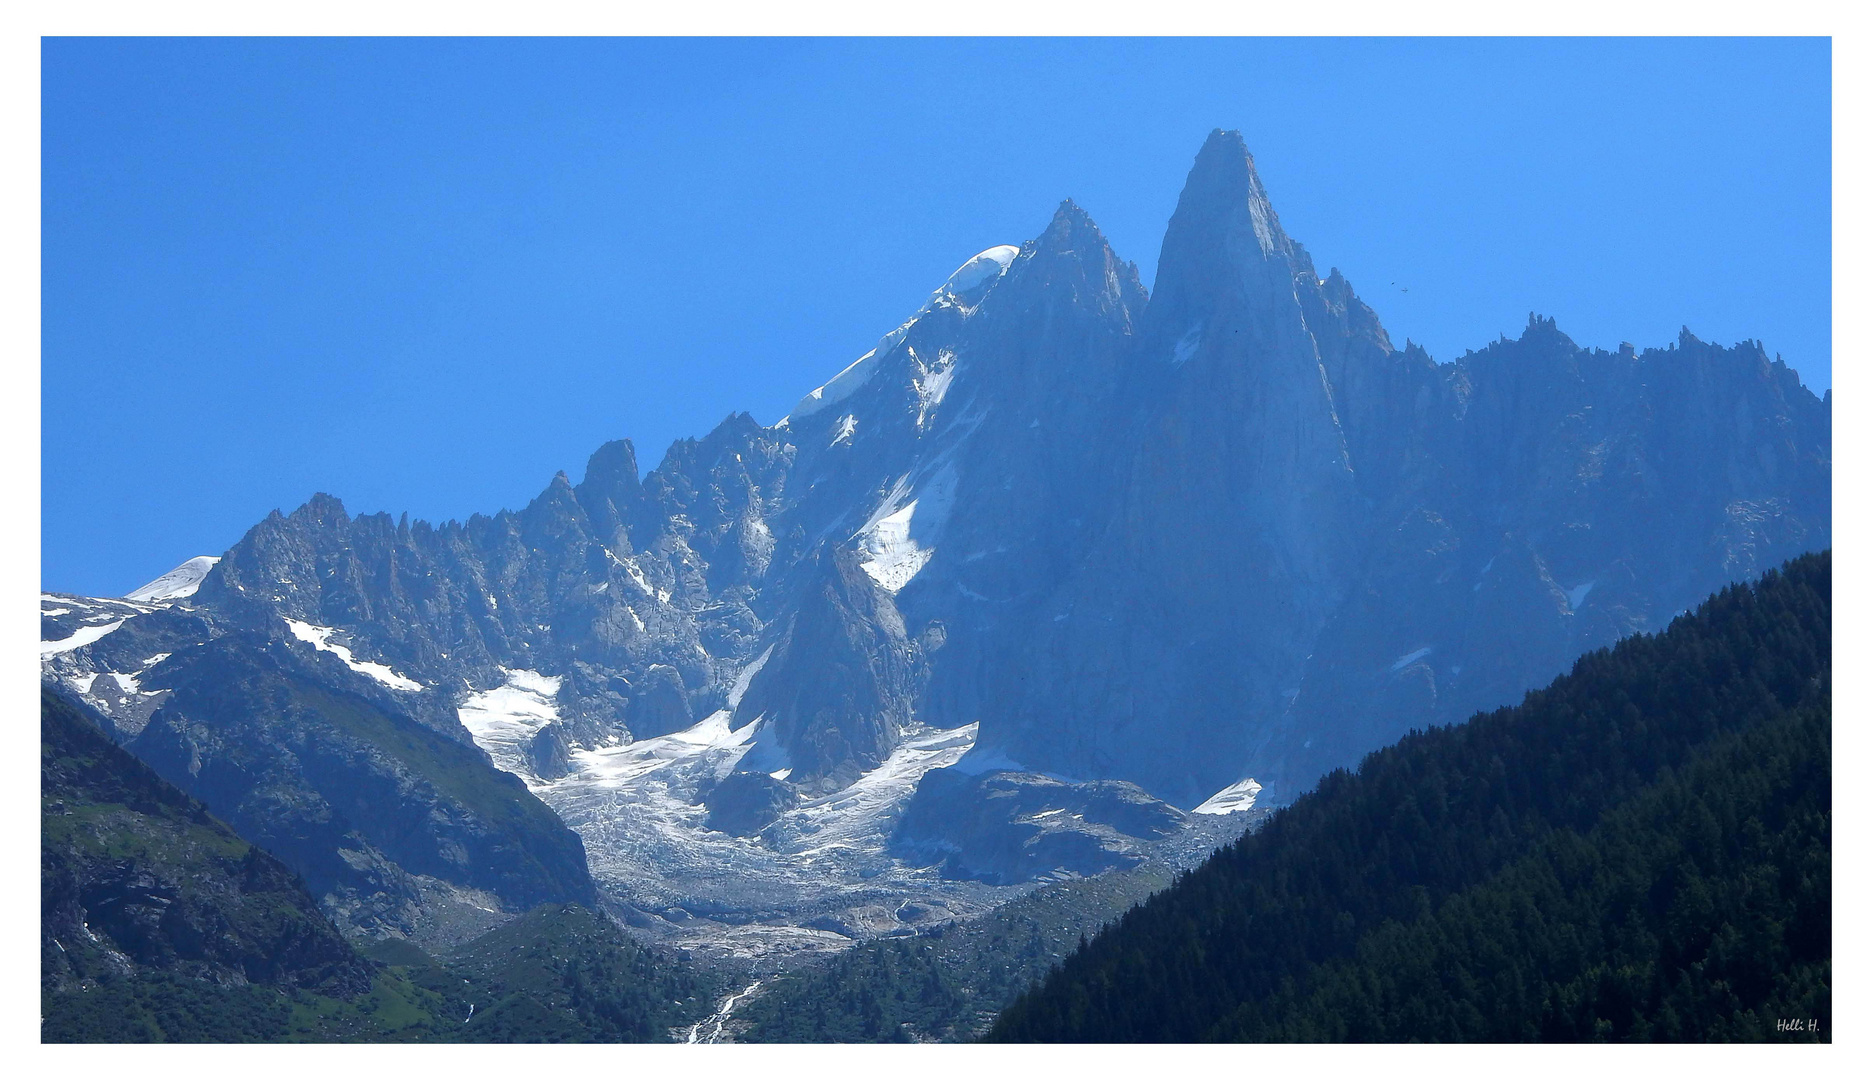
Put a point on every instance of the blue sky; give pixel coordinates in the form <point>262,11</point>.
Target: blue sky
<point>425,275</point>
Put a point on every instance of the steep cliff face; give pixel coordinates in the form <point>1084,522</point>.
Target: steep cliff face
<point>1228,523</point>
<point>1558,499</point>
<point>1311,542</point>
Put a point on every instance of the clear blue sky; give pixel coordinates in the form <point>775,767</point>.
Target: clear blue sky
<point>423,276</point>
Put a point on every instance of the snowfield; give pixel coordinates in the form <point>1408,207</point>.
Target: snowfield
<point>178,583</point>
<point>900,539</point>
<point>505,719</point>
<point>83,636</point>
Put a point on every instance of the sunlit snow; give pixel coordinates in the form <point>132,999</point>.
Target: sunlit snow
<point>316,636</point>
<point>1236,797</point>
<point>969,277</point>
<point>83,636</point>
<point>502,721</point>
<point>982,269</point>
<point>900,538</point>
<point>178,583</point>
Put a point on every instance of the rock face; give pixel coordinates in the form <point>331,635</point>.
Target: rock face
<point>381,815</point>
<point>1007,827</point>
<point>744,803</point>
<point>136,877</point>
<point>1222,530</point>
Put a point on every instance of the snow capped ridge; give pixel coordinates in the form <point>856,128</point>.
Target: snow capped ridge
<point>971,279</point>
<point>177,583</point>
<point>982,269</point>
<point>842,385</point>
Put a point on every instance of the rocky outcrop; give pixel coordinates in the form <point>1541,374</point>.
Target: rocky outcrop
<point>744,803</point>
<point>1009,827</point>
<point>137,877</point>
<point>839,683</point>
<point>384,818</point>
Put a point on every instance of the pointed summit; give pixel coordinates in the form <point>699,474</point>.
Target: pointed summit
<point>1223,189</point>
<point>1071,253</point>
<point>1071,229</point>
<point>1225,255</point>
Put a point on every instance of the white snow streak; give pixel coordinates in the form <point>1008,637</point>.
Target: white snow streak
<point>81,637</point>
<point>316,636</point>
<point>1187,347</point>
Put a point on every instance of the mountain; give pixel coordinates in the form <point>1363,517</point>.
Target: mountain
<point>1056,565</point>
<point>382,804</point>
<point>135,875</point>
<point>161,923</point>
<point>1640,851</point>
<point>156,920</point>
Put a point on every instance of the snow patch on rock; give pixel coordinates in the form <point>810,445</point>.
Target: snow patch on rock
<point>317,637</point>
<point>900,539</point>
<point>1187,347</point>
<point>1236,797</point>
<point>81,637</point>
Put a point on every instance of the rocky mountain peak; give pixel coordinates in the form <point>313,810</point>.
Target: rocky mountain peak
<point>1224,201</point>
<point>321,510</point>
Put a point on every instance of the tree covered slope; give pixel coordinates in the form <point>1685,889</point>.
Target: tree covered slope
<point>1639,851</point>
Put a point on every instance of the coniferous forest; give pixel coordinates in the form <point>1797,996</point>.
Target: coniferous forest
<point>1640,851</point>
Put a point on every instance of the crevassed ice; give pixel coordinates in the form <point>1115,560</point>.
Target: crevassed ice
<point>316,636</point>
<point>502,721</point>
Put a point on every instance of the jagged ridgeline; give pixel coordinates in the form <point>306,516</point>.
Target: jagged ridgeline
<point>1640,851</point>
<point>1054,580</point>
